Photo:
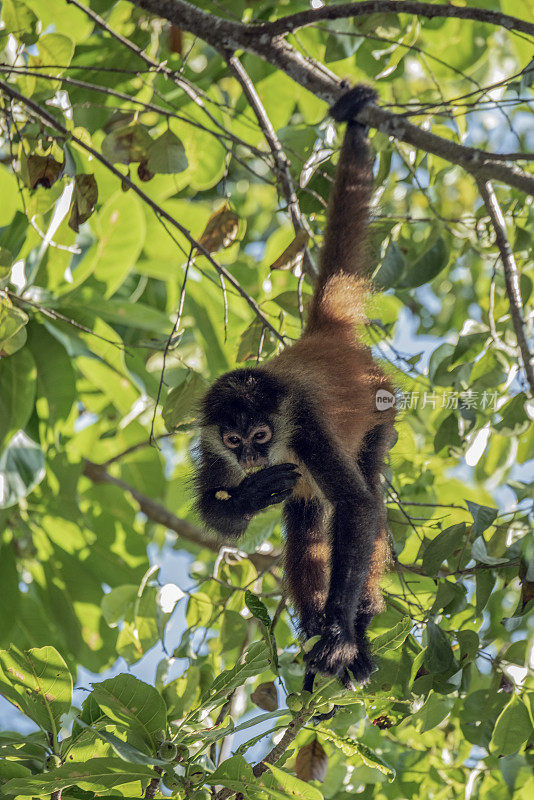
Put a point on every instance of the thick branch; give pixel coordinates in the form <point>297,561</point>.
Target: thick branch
<point>511,278</point>
<point>280,159</point>
<point>261,41</point>
<point>429,10</point>
<point>40,113</point>
<point>161,515</point>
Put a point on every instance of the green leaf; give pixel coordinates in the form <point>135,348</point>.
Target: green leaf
<point>257,608</point>
<point>426,267</point>
<point>443,546</point>
<point>118,603</point>
<point>9,595</point>
<point>434,710</point>
<point>96,775</point>
<point>121,229</point>
<point>371,759</point>
<point>293,786</point>
<point>123,749</point>
<point>17,392</point>
<point>55,51</point>
<point>12,320</point>
<point>14,235</point>
<point>513,727</point>
<point>166,155</point>
<point>39,683</point>
<point>22,466</point>
<point>447,435</point>
<point>20,20</point>
<point>56,386</point>
<point>392,639</point>
<point>485,581</point>
<point>181,404</point>
<point>254,663</point>
<point>134,704</point>
<point>391,268</point>
<point>199,610</point>
<point>483,516</point>
<point>438,654</point>
<point>480,553</point>
<point>234,773</point>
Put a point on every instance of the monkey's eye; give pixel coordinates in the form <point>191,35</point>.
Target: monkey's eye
<point>262,435</point>
<point>231,440</point>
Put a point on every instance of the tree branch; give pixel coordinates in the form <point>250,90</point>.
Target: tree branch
<point>276,753</point>
<point>48,119</point>
<point>293,22</point>
<point>161,515</point>
<point>511,277</point>
<point>280,159</point>
<point>271,47</point>
<point>153,786</point>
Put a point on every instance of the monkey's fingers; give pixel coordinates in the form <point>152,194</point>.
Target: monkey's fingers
<point>276,469</point>
<point>279,497</point>
<point>278,479</point>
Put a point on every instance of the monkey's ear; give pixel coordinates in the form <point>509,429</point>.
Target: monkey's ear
<point>352,102</point>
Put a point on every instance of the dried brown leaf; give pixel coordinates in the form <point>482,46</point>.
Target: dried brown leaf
<point>43,171</point>
<point>311,762</point>
<point>84,200</point>
<point>265,696</point>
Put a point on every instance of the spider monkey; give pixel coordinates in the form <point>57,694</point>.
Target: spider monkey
<point>309,420</point>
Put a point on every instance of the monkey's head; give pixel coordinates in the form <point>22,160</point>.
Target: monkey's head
<point>243,405</point>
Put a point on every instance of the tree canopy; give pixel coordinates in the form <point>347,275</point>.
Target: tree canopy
<point>164,173</point>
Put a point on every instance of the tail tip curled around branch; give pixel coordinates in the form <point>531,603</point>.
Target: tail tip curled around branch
<point>349,105</point>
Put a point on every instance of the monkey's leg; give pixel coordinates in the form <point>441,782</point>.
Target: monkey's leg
<point>307,561</point>
<point>370,461</point>
<point>354,529</point>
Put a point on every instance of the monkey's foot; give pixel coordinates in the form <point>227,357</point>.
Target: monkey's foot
<point>362,666</point>
<point>334,651</point>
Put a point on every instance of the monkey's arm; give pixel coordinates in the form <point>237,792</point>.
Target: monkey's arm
<point>228,509</point>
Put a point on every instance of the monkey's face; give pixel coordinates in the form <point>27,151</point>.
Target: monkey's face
<point>249,441</point>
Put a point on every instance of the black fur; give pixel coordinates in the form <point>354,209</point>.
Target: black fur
<point>353,532</point>
<point>243,392</point>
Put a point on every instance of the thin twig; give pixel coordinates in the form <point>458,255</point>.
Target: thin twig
<point>280,159</point>
<point>511,277</point>
<point>168,343</point>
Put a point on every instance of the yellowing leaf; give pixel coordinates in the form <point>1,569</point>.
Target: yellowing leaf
<point>292,255</point>
<point>221,229</point>
<point>127,144</point>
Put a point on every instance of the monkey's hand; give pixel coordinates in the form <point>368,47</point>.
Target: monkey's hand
<point>264,488</point>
